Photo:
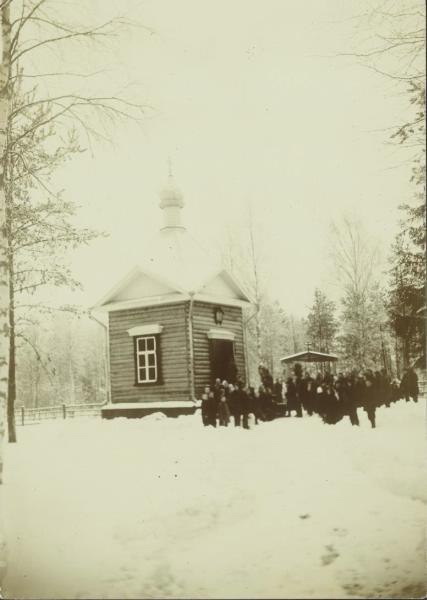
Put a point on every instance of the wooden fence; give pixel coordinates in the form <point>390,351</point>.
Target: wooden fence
<point>27,416</point>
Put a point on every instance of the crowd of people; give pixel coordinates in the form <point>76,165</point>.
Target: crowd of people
<point>331,397</point>
<point>224,402</point>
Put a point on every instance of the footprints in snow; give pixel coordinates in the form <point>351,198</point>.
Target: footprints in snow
<point>330,555</point>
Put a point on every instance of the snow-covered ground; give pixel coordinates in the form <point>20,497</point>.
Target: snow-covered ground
<point>160,507</point>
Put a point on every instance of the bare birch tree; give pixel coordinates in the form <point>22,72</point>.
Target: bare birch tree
<point>4,292</point>
<point>267,327</point>
<point>357,264</point>
<point>256,284</point>
<point>43,130</point>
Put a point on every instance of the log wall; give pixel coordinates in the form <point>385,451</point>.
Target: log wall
<point>174,350</point>
<point>203,320</point>
<point>173,354</point>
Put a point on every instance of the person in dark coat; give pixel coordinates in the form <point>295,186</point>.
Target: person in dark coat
<point>290,396</point>
<point>204,409</point>
<point>278,390</point>
<point>370,400</point>
<point>279,398</point>
<point>308,393</point>
<point>332,410</point>
<point>351,400</point>
<point>359,390</point>
<point>377,385</point>
<point>345,392</point>
<point>209,407</point>
<point>299,388</point>
<point>266,401</point>
<point>318,391</point>
<point>266,378</point>
<point>409,385</point>
<point>245,404</point>
<point>212,409</point>
<point>217,389</point>
<point>328,379</point>
<point>268,381</point>
<point>255,405</point>
<point>223,410</point>
<point>395,391</point>
<point>235,405</point>
<point>385,388</point>
<point>341,392</point>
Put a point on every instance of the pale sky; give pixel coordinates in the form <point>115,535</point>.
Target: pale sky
<point>253,107</point>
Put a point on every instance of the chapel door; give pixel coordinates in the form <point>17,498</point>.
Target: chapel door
<point>223,365</point>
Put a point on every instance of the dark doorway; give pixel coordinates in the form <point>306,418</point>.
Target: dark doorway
<point>223,365</point>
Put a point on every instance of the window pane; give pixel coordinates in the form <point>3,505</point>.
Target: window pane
<point>151,360</point>
<point>141,344</point>
<point>142,374</point>
<point>152,374</point>
<point>150,343</point>
<point>142,360</point>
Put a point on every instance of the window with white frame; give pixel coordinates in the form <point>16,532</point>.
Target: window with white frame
<point>146,359</point>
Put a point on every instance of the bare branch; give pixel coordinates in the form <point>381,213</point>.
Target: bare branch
<point>88,33</point>
<point>397,77</point>
<point>22,21</point>
<point>60,74</point>
<point>37,353</point>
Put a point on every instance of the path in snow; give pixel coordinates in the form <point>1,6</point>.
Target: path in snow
<point>164,507</point>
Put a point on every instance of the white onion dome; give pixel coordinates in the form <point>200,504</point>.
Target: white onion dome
<point>171,196</point>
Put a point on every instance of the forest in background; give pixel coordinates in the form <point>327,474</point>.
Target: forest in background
<point>63,361</point>
<point>59,356</point>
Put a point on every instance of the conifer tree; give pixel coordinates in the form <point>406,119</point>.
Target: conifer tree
<point>321,323</point>
<point>393,46</point>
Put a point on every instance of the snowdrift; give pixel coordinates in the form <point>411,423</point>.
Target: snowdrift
<point>159,507</point>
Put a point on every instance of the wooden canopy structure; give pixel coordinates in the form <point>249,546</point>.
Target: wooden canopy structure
<point>309,356</point>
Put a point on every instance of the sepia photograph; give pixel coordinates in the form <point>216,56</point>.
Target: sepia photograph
<point>213,304</point>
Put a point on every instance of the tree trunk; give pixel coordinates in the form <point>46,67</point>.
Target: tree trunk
<point>256,290</point>
<point>396,355</point>
<point>36,386</point>
<point>406,356</point>
<point>11,388</point>
<point>258,335</point>
<point>4,291</point>
<point>72,396</point>
<point>294,339</point>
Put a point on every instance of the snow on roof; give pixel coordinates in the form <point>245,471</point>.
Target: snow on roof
<point>174,255</point>
<point>174,258</point>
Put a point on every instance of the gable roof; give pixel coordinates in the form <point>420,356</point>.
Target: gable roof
<point>223,284</point>
<point>141,282</point>
<point>174,267</point>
